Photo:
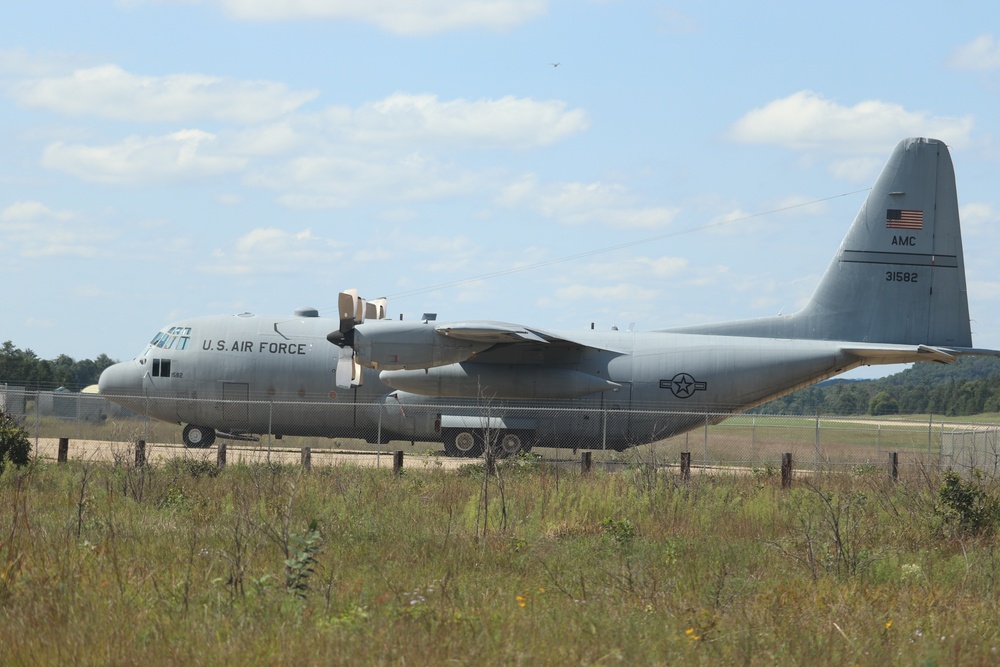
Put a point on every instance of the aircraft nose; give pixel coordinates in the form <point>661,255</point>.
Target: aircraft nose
<point>122,379</point>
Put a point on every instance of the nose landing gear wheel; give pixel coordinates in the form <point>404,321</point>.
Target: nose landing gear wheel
<point>198,437</point>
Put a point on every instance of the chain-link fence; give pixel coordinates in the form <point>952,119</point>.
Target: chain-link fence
<point>647,436</point>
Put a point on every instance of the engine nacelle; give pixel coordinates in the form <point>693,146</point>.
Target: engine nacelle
<point>476,380</point>
<point>391,345</point>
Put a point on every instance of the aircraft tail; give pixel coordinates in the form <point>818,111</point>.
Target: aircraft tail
<point>899,274</point>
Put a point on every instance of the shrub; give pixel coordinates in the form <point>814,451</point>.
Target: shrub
<point>967,503</point>
<point>14,443</point>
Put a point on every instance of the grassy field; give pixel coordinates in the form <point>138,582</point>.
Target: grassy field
<point>183,564</point>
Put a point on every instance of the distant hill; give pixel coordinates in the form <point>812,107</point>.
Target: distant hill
<point>970,386</point>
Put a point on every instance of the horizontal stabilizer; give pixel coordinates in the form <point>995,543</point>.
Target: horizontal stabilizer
<point>873,355</point>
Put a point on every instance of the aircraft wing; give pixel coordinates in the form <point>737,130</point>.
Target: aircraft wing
<point>490,332</point>
<point>505,332</point>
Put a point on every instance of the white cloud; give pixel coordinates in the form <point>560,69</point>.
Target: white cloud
<point>675,22</point>
<point>979,217</point>
<point>24,211</point>
<point>180,156</point>
<point>856,170</point>
<point>622,293</point>
<point>21,62</point>
<point>982,53</point>
<point>805,120</point>
<point>272,139</point>
<point>584,203</point>
<point>273,251</point>
<point>108,91</point>
<point>984,290</point>
<point>663,267</point>
<point>338,156</point>
<point>329,181</point>
<point>33,230</point>
<point>505,122</point>
<point>406,17</point>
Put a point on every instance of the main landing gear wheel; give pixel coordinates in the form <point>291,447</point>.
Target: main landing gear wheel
<point>510,444</point>
<point>463,443</point>
<point>198,437</point>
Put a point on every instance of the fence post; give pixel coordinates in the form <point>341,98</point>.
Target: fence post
<point>816,445</point>
<point>397,462</point>
<point>220,460</point>
<point>63,453</point>
<point>930,435</point>
<point>685,466</point>
<point>893,466</point>
<point>604,428</point>
<point>585,462</point>
<point>786,470</point>
<point>705,441</point>
<point>306,458</point>
<point>140,453</point>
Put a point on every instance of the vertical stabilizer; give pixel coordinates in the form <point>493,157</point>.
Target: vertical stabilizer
<point>899,274</point>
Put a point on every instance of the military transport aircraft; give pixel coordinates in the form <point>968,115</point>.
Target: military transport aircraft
<point>895,292</point>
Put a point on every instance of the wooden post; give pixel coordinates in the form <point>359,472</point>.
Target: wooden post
<point>63,454</point>
<point>220,461</point>
<point>307,458</point>
<point>786,470</point>
<point>397,462</point>
<point>894,466</point>
<point>585,462</point>
<point>140,453</point>
<point>685,466</point>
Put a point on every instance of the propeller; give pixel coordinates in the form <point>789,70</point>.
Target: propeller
<point>352,310</point>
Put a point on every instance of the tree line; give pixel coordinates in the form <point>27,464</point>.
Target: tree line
<point>970,386</point>
<point>23,368</point>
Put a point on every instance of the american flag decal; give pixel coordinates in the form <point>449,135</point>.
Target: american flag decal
<point>904,219</point>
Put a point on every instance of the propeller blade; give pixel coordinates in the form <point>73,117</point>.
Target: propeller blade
<point>346,307</point>
<point>357,378</point>
<point>375,310</point>
<point>345,367</point>
<point>353,310</point>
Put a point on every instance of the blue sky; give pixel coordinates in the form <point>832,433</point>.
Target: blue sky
<point>163,159</point>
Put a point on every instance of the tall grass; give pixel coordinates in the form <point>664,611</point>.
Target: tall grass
<point>198,566</point>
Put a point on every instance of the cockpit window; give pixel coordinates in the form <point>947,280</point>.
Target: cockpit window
<point>175,338</point>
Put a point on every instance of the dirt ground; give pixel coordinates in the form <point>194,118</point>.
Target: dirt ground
<point>99,450</point>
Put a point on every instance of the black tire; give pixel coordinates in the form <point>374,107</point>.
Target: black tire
<point>198,437</point>
<point>509,443</point>
<point>463,443</point>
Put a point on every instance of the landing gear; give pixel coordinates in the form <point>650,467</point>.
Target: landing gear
<point>513,442</point>
<point>469,442</point>
<point>463,442</point>
<point>198,437</point>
